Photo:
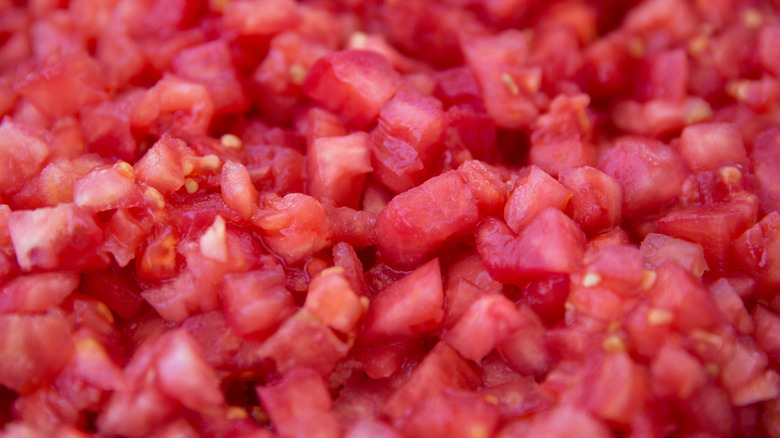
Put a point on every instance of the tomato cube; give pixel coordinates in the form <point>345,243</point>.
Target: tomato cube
<point>534,191</point>
<point>352,83</point>
<point>658,248</point>
<point>35,293</point>
<point>706,146</point>
<point>596,200</point>
<point>337,168</point>
<point>238,192</point>
<point>432,416</point>
<point>677,373</point>
<point>107,187</point>
<point>22,155</point>
<point>332,300</point>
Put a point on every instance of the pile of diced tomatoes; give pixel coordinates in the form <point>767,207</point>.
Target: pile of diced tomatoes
<point>390,218</point>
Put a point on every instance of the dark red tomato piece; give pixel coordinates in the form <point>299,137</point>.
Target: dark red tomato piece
<point>52,238</point>
<point>116,290</point>
<point>407,141</point>
<point>304,341</point>
<point>758,250</point>
<point>28,359</point>
<point>352,83</point>
<point>441,369</point>
<point>35,293</point>
<point>337,168</point>
<point>76,79</point>
<point>650,172</point>
<point>712,226</point>
<point>551,244</point>
<point>433,416</point>
<point>106,130</point>
<point>318,123</point>
<point>300,405</point>
<point>211,64</point>
<point>294,227</point>
<point>596,200</point>
<point>534,192</point>
<point>22,156</point>
<point>619,268</point>
<point>707,146</point>
<point>508,83</point>
<point>389,316</point>
<point>459,87</point>
<point>547,297</point>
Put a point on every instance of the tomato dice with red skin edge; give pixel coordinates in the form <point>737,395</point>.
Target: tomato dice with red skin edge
<point>650,172</point>
<point>596,200</point>
<point>173,104</point>
<point>713,226</point>
<point>61,237</point>
<point>658,248</point>
<point>22,155</point>
<point>663,75</point>
<point>559,422</point>
<point>675,372</point>
<point>29,361</point>
<point>294,227</point>
<point>275,169</point>
<point>678,291</point>
<point>551,244</point>
<point>344,256</point>
<point>318,123</point>
<point>337,168</point>
<point>486,323</point>
<point>765,159</point>
<point>161,166</point>
<point>525,350</point>
<point>390,317</point>
<point>533,192</point>
<point>118,292</point>
<point>352,83</point>
<point>37,292</point>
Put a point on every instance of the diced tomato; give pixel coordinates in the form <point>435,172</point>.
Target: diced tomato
<point>107,187</point>
<point>508,84</point>
<point>175,104</point>
<point>352,83</point>
<point>678,291</point>
<point>389,316</point>
<point>37,292</point>
<point>106,129</point>
<point>276,169</point>
<point>62,237</point>
<point>256,302</point>
<point>407,140</point>
<point>765,159</point>
<point>559,422</point>
<point>663,75</point>
<point>432,416</point>
<point>344,255</point>
<point>547,297</point>
<point>551,244</point>
<point>211,64</point>
<point>161,166</point>
<point>22,156</point>
<point>76,80</point>
<point>658,248</point>
<point>534,191</point>
<point>367,428</point>
<point>731,306</point>
<point>650,172</point>
<point>332,300</point>
<point>442,368</point>
<point>337,168</point>
<point>618,388</point>
<point>488,322</point>
<point>304,341</point>
<point>713,226</point>
<point>249,18</point>
<point>707,146</point>
<point>677,373</point>
<point>293,227</point>
<point>767,322</point>
<point>355,227</point>
<point>29,360</point>
<point>300,405</point>
<point>596,200</point>
<point>238,192</point>
<point>525,350</point>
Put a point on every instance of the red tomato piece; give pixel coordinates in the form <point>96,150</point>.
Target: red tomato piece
<point>332,299</point>
<point>433,416</point>
<point>677,373</point>
<point>22,155</point>
<point>37,292</point>
<point>300,405</point>
<point>407,140</point>
<point>663,75</point>
<point>337,168</point>
<point>707,146</point>
<point>161,165</point>
<point>61,237</point>
<point>758,249</point>
<point>352,83</point>
<point>679,292</point>
<point>107,187</point>
<point>551,244</point>
<point>238,192</point>
<point>389,316</point>
<point>658,248</point>
<point>596,200</point>
<point>29,361</point>
<point>650,172</point>
<point>268,18</point>
<point>766,159</point>
<point>534,192</point>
